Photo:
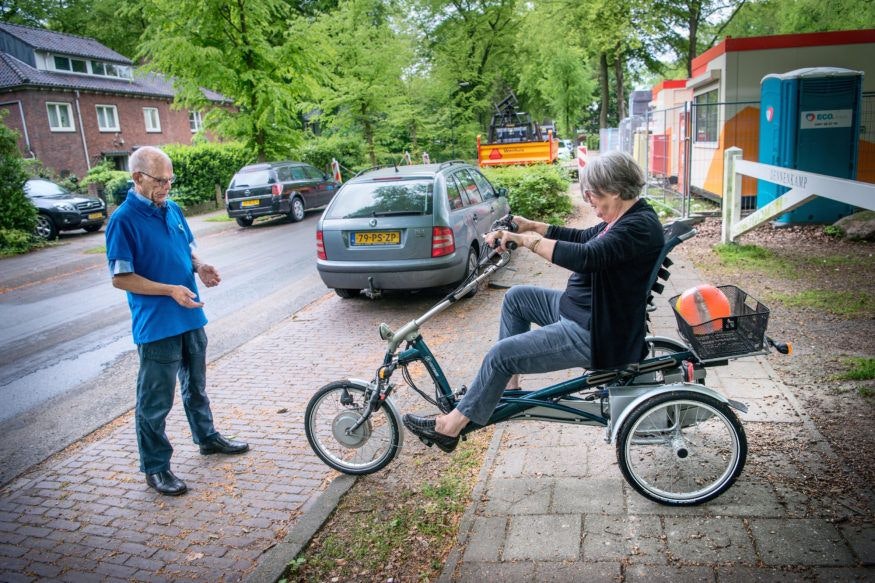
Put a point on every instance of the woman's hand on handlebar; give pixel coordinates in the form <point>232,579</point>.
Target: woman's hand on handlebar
<point>508,241</point>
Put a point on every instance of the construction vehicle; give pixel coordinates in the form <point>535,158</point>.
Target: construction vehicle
<point>514,139</point>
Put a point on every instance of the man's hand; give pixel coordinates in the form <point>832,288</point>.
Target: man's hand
<point>209,275</point>
<point>184,297</point>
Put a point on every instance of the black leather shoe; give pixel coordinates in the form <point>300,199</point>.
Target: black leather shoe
<point>423,428</point>
<point>166,483</point>
<point>219,444</point>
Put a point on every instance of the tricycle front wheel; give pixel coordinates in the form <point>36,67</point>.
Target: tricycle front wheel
<point>330,416</point>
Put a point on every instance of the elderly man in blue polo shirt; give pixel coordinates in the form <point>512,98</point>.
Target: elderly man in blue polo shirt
<point>151,256</point>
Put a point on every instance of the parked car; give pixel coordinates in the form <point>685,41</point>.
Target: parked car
<point>277,188</point>
<point>566,149</point>
<point>406,228</point>
<point>61,210</point>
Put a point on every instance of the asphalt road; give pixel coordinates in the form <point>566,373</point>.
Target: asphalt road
<point>67,361</point>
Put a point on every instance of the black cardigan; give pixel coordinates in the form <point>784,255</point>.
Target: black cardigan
<point>617,267</point>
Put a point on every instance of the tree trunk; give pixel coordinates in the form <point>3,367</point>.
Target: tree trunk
<point>368,130</point>
<point>621,93</point>
<point>604,90</point>
<point>693,27</point>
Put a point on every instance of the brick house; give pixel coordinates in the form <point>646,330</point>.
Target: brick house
<point>75,102</point>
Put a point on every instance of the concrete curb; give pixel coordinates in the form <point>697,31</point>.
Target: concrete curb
<point>271,567</point>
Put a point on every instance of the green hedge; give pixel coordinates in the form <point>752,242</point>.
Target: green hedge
<point>199,168</point>
<point>17,214</point>
<point>538,192</point>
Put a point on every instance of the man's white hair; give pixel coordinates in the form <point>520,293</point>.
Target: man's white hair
<point>144,159</point>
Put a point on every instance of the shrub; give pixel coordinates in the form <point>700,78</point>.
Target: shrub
<point>113,181</point>
<point>199,168</point>
<point>318,151</point>
<point>16,211</point>
<point>15,241</point>
<point>538,192</point>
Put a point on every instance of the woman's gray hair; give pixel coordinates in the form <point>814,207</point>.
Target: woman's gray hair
<point>615,172</point>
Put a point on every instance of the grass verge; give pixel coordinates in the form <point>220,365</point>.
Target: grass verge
<point>399,523</point>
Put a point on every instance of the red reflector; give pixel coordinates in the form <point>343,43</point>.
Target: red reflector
<point>276,189</point>
<point>442,241</point>
<point>320,246</point>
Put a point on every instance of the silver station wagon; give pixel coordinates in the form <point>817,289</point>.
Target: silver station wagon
<point>406,228</point>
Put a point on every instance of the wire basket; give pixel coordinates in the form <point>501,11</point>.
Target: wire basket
<point>741,334</point>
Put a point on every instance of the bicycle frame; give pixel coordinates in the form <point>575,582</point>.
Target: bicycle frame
<point>555,402</point>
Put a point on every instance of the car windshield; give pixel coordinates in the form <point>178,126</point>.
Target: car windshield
<point>381,199</point>
<point>44,188</point>
<point>250,179</point>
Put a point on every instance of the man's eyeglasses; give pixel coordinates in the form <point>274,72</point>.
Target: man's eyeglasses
<point>161,181</point>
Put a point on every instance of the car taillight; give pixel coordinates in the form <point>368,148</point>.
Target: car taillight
<point>442,241</point>
<point>320,246</point>
<point>276,189</point>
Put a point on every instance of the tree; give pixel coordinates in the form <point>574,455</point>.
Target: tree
<point>258,53</point>
<point>17,213</point>
<point>367,57</point>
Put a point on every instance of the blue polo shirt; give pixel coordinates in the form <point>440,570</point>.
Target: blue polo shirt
<point>156,243</point>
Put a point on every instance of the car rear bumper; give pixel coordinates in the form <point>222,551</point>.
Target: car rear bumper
<point>412,274</point>
<point>271,207</point>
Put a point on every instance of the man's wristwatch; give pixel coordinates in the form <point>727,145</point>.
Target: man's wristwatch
<point>195,267</point>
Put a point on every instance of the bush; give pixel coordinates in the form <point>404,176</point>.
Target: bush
<point>15,241</point>
<point>16,211</point>
<point>320,150</point>
<point>199,168</point>
<point>538,192</point>
<point>113,181</point>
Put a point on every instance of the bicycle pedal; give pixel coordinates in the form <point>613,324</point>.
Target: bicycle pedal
<point>426,442</point>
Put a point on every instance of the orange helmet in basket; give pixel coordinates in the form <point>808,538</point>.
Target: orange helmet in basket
<point>702,304</point>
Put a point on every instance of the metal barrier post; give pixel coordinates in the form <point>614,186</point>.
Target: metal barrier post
<point>731,193</point>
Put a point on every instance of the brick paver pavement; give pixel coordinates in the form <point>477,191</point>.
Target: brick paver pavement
<point>87,515</point>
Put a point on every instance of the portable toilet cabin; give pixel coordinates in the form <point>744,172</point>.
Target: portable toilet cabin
<point>810,121</point>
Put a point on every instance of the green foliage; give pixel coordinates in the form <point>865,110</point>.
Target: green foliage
<point>849,304</point>
<point>258,53</point>
<point>859,369</point>
<point>16,241</point>
<point>114,182</point>
<point>833,231</point>
<point>200,168</point>
<point>348,150</point>
<point>16,211</point>
<point>538,192</point>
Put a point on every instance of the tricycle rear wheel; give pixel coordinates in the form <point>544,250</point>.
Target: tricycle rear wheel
<point>681,448</point>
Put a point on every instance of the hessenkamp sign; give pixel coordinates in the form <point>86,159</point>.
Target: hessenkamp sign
<point>788,178</point>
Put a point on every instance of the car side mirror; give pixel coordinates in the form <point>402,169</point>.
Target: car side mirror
<point>501,192</point>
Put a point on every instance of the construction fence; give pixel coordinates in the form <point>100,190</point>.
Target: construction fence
<point>682,149</point>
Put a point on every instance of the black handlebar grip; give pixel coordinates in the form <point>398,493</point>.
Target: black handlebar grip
<point>511,245</point>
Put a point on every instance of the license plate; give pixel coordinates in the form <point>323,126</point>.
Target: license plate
<point>246,203</point>
<point>95,216</point>
<point>376,238</point>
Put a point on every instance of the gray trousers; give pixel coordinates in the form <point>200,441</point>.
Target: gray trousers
<point>558,344</point>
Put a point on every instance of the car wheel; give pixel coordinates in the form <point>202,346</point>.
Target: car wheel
<point>92,228</point>
<point>347,294</point>
<point>244,221</point>
<point>296,213</point>
<point>45,228</point>
<point>471,267</point>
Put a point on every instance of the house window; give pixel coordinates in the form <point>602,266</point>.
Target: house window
<point>706,118</point>
<point>60,117</point>
<point>153,122</point>
<point>195,122</point>
<point>107,118</point>
<point>68,64</point>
